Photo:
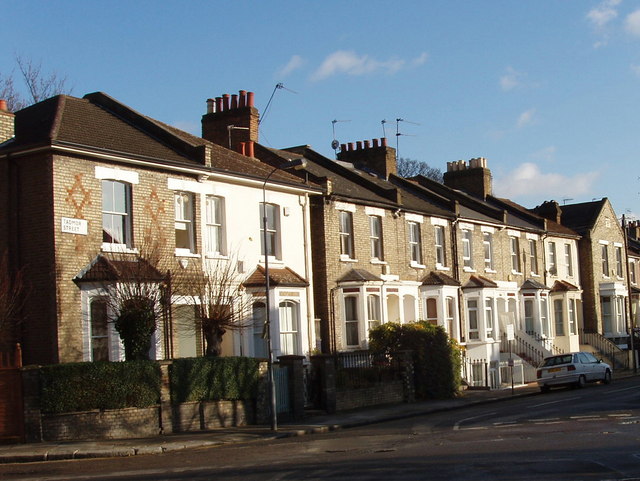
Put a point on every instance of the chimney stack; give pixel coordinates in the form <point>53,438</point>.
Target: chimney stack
<point>231,120</point>
<point>474,178</point>
<point>378,157</point>
<point>7,122</point>
<point>551,210</point>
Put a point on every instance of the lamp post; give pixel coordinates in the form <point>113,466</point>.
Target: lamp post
<point>291,164</point>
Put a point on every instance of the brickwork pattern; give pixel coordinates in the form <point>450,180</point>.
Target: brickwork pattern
<point>385,393</point>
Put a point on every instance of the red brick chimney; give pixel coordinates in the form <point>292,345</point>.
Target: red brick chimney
<point>232,121</point>
<point>7,122</point>
<point>474,178</point>
<point>551,210</point>
<point>374,155</point>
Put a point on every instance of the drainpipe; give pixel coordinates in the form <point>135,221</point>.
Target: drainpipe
<point>629,305</point>
<point>304,203</point>
<point>456,275</point>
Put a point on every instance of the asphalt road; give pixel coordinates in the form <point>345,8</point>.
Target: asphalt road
<point>586,434</point>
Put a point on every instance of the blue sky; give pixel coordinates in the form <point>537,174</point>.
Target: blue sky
<point>547,91</point>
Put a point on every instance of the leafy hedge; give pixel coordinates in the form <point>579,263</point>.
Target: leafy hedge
<point>214,378</point>
<point>436,357</point>
<point>99,385</point>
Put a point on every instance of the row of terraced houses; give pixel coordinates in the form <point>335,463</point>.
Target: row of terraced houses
<point>349,243</point>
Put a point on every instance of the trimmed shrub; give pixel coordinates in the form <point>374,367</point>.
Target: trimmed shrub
<point>99,385</point>
<point>214,378</point>
<point>436,357</point>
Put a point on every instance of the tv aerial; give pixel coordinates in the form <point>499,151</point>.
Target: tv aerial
<point>279,86</point>
<point>335,143</point>
<point>398,133</point>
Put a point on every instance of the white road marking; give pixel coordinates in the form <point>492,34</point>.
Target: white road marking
<point>456,426</point>
<point>624,389</point>
<point>554,402</point>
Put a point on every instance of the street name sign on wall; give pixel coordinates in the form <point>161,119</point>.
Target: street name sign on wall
<point>75,226</point>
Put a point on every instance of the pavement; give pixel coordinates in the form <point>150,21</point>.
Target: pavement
<point>317,423</point>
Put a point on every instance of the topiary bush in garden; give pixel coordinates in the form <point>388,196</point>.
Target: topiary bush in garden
<point>436,357</point>
<point>214,378</point>
<point>99,385</point>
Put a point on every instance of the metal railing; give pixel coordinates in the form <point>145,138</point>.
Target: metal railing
<point>534,355</point>
<point>608,349</point>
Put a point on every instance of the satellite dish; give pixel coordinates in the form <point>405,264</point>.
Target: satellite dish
<point>335,144</point>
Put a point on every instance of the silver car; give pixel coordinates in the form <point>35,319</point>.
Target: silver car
<point>575,369</point>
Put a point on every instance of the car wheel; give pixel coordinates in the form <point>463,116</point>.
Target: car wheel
<point>607,377</point>
<point>544,388</point>
<point>582,382</point>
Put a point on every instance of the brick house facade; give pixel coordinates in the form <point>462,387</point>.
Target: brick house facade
<point>90,179</point>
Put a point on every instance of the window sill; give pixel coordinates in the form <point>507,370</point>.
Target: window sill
<point>378,262</point>
<point>122,248</point>
<point>468,269</point>
<point>440,267</point>
<point>344,258</point>
<point>516,273</point>
<point>415,265</point>
<point>216,255</point>
<point>186,253</point>
<point>490,271</point>
<point>535,275</point>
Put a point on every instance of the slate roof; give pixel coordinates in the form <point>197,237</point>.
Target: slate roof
<point>552,226</point>
<point>563,286</point>
<point>582,217</point>
<point>353,184</point>
<point>277,278</point>
<point>531,284</point>
<point>359,275</point>
<point>103,269</point>
<point>100,123</point>
<point>479,282</point>
<point>435,278</point>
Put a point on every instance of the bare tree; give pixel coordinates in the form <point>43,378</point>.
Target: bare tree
<point>221,303</point>
<point>37,85</point>
<point>12,290</point>
<point>410,168</point>
<point>134,288</point>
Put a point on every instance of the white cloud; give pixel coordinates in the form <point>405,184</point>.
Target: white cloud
<point>527,180</point>
<point>526,118</point>
<point>420,59</point>
<point>294,63</point>
<point>604,13</point>
<point>632,23</point>
<point>349,63</point>
<point>511,79</point>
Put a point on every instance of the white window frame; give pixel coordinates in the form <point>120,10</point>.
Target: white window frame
<point>553,259</point>
<point>125,215</point>
<point>185,221</point>
<point>289,327</point>
<point>533,256</point>
<point>347,244</point>
<point>604,252</point>
<point>487,243</point>
<point>489,318</point>
<point>349,323</point>
<point>375,235</point>
<point>514,243</point>
<point>572,317</point>
<point>374,311</point>
<point>558,316</point>
<point>568,259</point>
<point>473,314</point>
<point>618,252</point>
<point>440,244</point>
<point>467,248</point>
<point>273,229</point>
<point>215,225</point>
<point>415,242</point>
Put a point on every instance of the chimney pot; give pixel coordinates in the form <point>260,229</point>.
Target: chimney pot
<point>211,107</point>
<point>366,144</point>
<point>218,104</point>
<point>249,99</point>
<point>234,101</point>
<point>359,145</point>
<point>243,98</point>
<point>250,149</point>
<point>225,102</point>
<point>3,105</point>
<point>243,148</point>
<point>383,141</point>
<point>350,146</point>
<point>375,142</point>
<point>343,147</point>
